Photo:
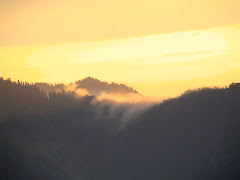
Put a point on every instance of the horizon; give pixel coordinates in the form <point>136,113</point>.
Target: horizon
<point>119,89</point>
<point>117,97</point>
<point>162,51</point>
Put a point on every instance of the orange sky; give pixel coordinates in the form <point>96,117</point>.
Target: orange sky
<point>66,21</point>
<point>161,48</point>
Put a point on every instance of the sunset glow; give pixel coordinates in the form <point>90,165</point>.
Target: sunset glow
<point>154,56</point>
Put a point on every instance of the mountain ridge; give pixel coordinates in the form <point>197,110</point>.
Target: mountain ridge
<point>92,85</point>
<point>194,136</point>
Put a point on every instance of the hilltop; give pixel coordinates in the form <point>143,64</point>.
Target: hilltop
<point>193,136</point>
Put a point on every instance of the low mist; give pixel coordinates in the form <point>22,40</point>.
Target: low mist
<point>78,131</point>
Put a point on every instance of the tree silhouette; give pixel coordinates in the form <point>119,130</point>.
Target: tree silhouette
<point>53,135</point>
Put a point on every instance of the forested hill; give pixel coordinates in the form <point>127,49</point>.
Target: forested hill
<point>20,99</point>
<point>93,86</point>
<point>194,136</point>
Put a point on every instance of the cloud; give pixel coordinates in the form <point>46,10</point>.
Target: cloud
<point>127,106</point>
<point>120,112</point>
<point>192,53</point>
<point>121,98</point>
<point>79,92</point>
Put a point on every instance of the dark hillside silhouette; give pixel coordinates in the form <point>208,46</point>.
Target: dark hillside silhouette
<point>96,87</point>
<point>49,87</point>
<point>93,86</point>
<point>58,136</point>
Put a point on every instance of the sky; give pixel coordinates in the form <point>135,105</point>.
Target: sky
<point>161,48</point>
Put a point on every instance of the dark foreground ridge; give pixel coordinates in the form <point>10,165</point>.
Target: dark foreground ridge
<point>58,136</point>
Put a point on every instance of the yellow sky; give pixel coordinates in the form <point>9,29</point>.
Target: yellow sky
<point>161,48</point>
<point>67,21</point>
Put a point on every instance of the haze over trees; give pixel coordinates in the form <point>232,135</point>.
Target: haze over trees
<point>92,85</point>
<point>47,132</point>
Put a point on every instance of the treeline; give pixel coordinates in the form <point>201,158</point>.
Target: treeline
<point>92,85</point>
<point>19,99</point>
<point>96,87</point>
<point>194,136</point>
